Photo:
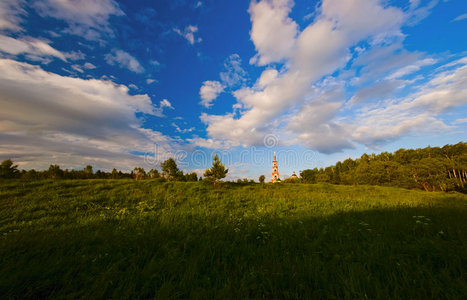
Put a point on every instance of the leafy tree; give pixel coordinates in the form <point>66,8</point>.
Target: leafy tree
<point>88,172</point>
<point>309,176</point>
<point>170,169</point>
<point>55,172</point>
<point>31,174</point>
<point>8,170</point>
<point>261,178</point>
<point>217,171</point>
<point>139,173</point>
<point>114,174</point>
<point>153,173</point>
<point>99,174</point>
<point>191,176</point>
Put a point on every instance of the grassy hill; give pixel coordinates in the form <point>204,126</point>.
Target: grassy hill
<point>130,239</point>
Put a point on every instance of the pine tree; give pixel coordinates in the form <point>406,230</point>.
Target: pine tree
<point>217,171</point>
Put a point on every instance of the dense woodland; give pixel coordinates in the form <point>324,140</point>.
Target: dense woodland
<point>431,169</point>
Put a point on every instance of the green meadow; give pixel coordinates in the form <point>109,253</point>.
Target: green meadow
<point>127,239</point>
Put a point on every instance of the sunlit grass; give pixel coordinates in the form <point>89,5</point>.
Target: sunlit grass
<point>141,239</point>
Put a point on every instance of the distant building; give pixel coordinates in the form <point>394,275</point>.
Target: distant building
<point>293,175</point>
<point>275,170</point>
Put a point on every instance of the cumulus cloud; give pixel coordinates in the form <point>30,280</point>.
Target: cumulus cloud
<point>318,50</point>
<point>124,59</point>
<point>351,53</point>
<point>189,34</point>
<point>86,18</point>
<point>48,118</point>
<point>209,91</point>
<point>272,32</point>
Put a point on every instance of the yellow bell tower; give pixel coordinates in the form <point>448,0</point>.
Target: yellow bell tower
<point>275,170</point>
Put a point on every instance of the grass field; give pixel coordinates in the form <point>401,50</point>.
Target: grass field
<point>99,239</point>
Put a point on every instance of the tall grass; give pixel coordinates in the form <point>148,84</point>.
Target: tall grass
<point>142,239</point>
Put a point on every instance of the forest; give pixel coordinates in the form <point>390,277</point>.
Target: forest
<point>431,168</point>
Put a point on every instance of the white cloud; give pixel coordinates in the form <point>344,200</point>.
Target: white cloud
<point>416,13</point>
<point>35,49</point>
<point>89,66</point>
<point>209,92</point>
<point>47,118</point>
<point>415,113</point>
<point>77,68</point>
<point>124,59</point>
<point>460,18</point>
<point>11,14</point>
<point>267,77</point>
<point>182,130</point>
<point>234,74</point>
<point>86,18</point>
<point>209,143</point>
<point>460,121</point>
<point>407,70</point>
<point>272,32</point>
<point>447,90</point>
<point>318,50</point>
<point>189,34</point>
<point>376,91</point>
<point>159,111</point>
<point>150,80</point>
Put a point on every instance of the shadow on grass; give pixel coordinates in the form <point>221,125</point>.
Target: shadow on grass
<point>415,253</point>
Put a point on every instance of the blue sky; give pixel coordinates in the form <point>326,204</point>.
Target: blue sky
<point>131,83</point>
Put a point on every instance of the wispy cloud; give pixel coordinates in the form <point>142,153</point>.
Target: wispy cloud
<point>35,49</point>
<point>11,14</point>
<point>86,18</point>
<point>124,59</point>
<point>460,18</point>
<point>234,75</point>
<point>163,104</point>
<point>182,130</point>
<point>189,34</point>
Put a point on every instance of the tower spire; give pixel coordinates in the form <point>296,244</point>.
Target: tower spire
<point>275,170</point>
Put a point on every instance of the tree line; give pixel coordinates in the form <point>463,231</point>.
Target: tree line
<point>170,172</point>
<point>431,168</point>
